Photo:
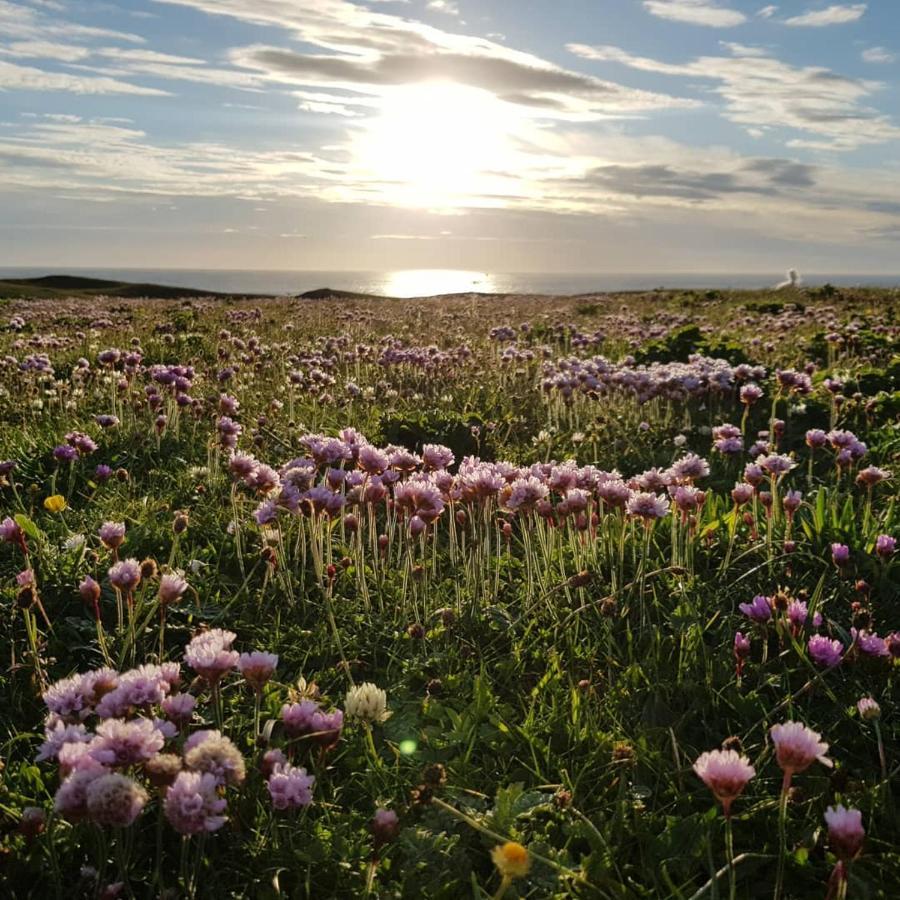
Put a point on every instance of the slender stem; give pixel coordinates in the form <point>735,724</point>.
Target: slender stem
<point>504,886</point>
<point>881,757</point>
<point>782,834</point>
<point>370,743</point>
<point>729,856</point>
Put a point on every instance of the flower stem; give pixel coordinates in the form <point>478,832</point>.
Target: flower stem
<point>729,856</point>
<point>782,835</point>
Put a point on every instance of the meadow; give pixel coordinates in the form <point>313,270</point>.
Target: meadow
<point>470,596</point>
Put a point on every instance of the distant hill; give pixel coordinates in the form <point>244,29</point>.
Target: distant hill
<point>50,286</point>
<point>327,293</point>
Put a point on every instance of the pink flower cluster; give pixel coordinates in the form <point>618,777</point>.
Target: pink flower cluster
<point>117,736</point>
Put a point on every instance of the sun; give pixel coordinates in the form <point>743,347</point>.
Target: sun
<point>438,145</point>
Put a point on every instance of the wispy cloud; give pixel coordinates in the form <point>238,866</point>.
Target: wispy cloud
<point>878,55</point>
<point>444,6</point>
<point>767,12</point>
<point>64,53</point>
<point>838,14</point>
<point>26,23</point>
<point>763,92</point>
<point>27,78</point>
<point>532,84</point>
<point>695,12</point>
<point>370,51</point>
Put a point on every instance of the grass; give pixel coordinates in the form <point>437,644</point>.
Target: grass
<point>550,680</point>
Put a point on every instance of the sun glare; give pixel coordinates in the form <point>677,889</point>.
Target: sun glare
<point>429,282</point>
<point>438,145</point>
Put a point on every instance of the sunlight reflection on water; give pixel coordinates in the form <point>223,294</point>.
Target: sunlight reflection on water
<point>428,282</point>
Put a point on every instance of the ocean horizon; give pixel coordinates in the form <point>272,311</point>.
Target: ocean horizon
<point>428,282</point>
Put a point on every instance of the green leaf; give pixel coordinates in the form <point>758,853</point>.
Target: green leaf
<point>28,527</point>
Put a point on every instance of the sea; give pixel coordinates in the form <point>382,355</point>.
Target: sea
<point>429,282</point>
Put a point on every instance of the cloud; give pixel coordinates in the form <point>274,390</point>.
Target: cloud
<point>65,53</point>
<point>784,172</point>
<point>139,55</point>
<point>444,6</point>
<point>743,49</point>
<point>695,12</point>
<point>540,87</point>
<point>878,55</point>
<point>763,92</point>
<point>328,104</point>
<point>765,176</point>
<point>369,52</point>
<point>575,176</point>
<point>838,14</point>
<point>26,78</point>
<point>767,12</point>
<point>25,23</point>
<point>126,62</point>
<point>100,160</point>
<point>406,237</point>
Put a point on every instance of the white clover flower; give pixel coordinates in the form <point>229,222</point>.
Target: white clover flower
<point>75,542</point>
<point>367,703</point>
<point>679,440</point>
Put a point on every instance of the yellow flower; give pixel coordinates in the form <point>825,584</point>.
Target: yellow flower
<point>55,504</point>
<point>511,859</point>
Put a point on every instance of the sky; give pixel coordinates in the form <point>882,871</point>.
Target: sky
<point>494,135</point>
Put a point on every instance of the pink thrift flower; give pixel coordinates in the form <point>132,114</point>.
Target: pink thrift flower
<point>825,651</point>
<point>725,773</point>
<point>290,787</point>
<point>257,667</point>
<point>845,832</point>
<point>193,804</point>
<point>125,576</point>
<point>270,759</point>
<point>112,534</point>
<point>840,555</point>
<point>71,797</point>
<point>10,532</point>
<point>215,754</point>
<point>385,826</point>
<point>868,708</point>
<point>869,643</point>
<point>58,736</point>
<point>171,587</point>
<point>121,743</point>
<point>798,747</point>
<point>758,610</point>
<point>179,708</point>
<point>114,799</point>
<point>210,654</point>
